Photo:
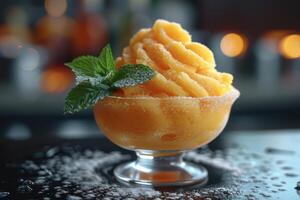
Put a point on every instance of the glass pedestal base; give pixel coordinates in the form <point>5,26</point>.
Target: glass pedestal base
<point>157,168</point>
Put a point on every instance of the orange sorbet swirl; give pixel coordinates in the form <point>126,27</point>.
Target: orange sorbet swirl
<point>183,67</point>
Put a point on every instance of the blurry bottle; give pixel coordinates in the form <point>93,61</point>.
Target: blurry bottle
<point>140,14</point>
<point>89,33</point>
<point>120,27</point>
<point>179,11</point>
<point>296,70</point>
<point>27,68</point>
<point>18,25</point>
<point>268,64</point>
<point>14,34</point>
<point>54,32</point>
<point>289,48</point>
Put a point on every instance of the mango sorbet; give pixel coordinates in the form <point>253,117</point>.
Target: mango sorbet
<point>184,68</point>
<point>185,105</point>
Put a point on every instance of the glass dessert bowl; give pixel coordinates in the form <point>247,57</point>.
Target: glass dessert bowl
<point>160,130</point>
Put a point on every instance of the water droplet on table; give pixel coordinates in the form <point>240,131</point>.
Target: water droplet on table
<point>298,186</point>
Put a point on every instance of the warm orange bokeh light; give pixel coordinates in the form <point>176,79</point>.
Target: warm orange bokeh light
<point>10,46</point>
<point>289,46</point>
<point>233,45</point>
<point>56,79</point>
<point>49,29</point>
<point>56,8</point>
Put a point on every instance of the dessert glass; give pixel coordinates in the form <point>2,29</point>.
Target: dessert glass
<point>160,130</point>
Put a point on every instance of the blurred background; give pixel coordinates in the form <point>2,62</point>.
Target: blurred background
<point>257,41</point>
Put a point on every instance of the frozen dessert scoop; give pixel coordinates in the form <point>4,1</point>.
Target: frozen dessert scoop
<point>183,67</point>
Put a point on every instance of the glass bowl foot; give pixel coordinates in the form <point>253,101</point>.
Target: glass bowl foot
<point>160,168</point>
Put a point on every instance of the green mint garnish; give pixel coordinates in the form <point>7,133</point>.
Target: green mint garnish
<point>130,75</point>
<point>87,66</point>
<point>106,59</point>
<point>97,77</point>
<point>84,95</point>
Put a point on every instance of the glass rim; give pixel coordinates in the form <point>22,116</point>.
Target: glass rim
<point>232,93</point>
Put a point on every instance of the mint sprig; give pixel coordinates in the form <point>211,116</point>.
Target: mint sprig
<point>97,77</point>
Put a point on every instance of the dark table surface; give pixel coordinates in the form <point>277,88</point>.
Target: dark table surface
<point>268,163</point>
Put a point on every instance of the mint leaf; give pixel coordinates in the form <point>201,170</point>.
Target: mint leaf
<point>87,66</point>
<point>97,77</point>
<point>85,95</point>
<point>93,80</point>
<point>132,74</point>
<point>106,59</point>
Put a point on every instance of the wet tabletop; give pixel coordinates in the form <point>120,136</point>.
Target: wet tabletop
<point>241,165</point>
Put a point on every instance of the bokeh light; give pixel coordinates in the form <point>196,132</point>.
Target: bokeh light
<point>93,5</point>
<point>10,46</point>
<point>88,34</point>
<point>56,8</point>
<point>233,44</point>
<point>56,79</point>
<point>29,59</point>
<point>289,46</point>
<point>49,28</point>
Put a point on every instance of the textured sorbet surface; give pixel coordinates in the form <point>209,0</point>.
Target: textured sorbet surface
<point>183,67</point>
